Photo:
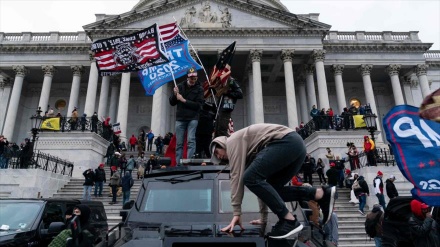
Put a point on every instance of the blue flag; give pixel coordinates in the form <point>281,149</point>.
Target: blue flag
<point>416,146</point>
<point>180,61</point>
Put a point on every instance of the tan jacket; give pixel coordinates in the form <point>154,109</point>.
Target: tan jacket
<point>239,146</point>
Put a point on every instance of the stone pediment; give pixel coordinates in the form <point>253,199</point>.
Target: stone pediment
<point>213,17</point>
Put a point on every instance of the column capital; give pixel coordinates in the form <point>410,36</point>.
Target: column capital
<point>256,55</point>
<point>92,57</point>
<point>421,69</point>
<point>337,69</point>
<point>5,82</point>
<point>20,70</point>
<point>77,69</point>
<point>318,55</point>
<point>365,69</point>
<point>287,55</point>
<point>309,68</point>
<point>48,70</point>
<point>393,69</point>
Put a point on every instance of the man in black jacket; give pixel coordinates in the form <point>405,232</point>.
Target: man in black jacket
<point>391,188</point>
<point>89,176</point>
<point>188,96</point>
<point>99,180</point>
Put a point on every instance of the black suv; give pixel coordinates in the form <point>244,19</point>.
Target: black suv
<point>182,207</point>
<point>35,222</point>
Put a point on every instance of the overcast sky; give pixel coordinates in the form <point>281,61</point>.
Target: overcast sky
<point>348,15</point>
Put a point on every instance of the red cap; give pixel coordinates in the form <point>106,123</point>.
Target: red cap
<point>114,168</point>
<point>379,173</point>
<point>101,165</point>
<point>332,164</point>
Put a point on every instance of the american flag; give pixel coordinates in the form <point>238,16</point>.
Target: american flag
<point>170,35</point>
<point>127,53</point>
<point>221,71</point>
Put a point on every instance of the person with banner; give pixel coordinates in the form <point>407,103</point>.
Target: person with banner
<point>188,97</point>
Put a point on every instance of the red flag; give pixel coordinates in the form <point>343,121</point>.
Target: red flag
<point>221,71</point>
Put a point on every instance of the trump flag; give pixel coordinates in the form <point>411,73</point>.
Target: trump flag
<point>180,61</point>
<point>127,53</point>
<point>416,145</point>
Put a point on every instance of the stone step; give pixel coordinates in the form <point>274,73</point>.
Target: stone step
<point>355,240</point>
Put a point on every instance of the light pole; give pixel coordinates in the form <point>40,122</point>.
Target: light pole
<point>370,121</point>
<point>36,124</point>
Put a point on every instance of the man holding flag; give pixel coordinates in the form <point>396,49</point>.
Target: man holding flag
<point>188,97</point>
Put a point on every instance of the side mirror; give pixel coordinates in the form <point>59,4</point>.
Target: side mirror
<point>56,227</point>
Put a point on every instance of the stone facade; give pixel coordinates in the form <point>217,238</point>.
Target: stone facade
<point>285,63</point>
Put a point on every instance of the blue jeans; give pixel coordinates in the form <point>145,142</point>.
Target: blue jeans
<point>381,199</point>
<point>362,202</point>
<point>3,164</point>
<point>125,197</point>
<point>273,167</point>
<point>378,241</point>
<point>98,185</point>
<point>87,192</point>
<point>181,126</point>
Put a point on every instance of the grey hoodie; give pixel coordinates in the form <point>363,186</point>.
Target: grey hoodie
<point>239,146</point>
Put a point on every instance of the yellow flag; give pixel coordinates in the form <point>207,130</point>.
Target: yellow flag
<point>51,124</point>
<point>359,121</point>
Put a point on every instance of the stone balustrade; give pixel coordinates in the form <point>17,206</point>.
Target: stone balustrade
<point>51,37</point>
<point>362,36</point>
<point>433,54</point>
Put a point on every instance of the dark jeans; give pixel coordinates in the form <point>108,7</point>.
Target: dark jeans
<point>308,177</point>
<point>273,167</point>
<point>98,185</point>
<point>341,178</point>
<point>202,145</point>
<point>381,199</point>
<point>370,158</point>
<point>114,192</point>
<point>362,201</point>
<point>222,124</point>
<point>149,145</point>
<point>321,176</point>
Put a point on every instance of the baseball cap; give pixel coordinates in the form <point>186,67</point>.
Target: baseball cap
<point>379,173</point>
<point>392,177</point>
<point>192,72</point>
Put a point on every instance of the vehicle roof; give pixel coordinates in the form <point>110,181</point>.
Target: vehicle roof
<point>53,199</point>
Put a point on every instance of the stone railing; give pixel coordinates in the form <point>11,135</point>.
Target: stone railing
<point>434,54</point>
<point>362,36</point>
<point>51,37</point>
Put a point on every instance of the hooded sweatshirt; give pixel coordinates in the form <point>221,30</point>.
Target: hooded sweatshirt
<point>239,147</point>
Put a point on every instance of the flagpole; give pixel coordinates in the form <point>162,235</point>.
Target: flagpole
<point>165,49</point>
<point>198,58</point>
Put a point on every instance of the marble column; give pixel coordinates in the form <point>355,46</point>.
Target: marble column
<point>74,92</point>
<point>115,81</point>
<point>421,70</point>
<point>92,87</point>
<point>337,70</point>
<point>124,96</point>
<point>393,72</point>
<point>318,57</point>
<point>292,112</point>
<point>48,70</point>
<point>407,81</point>
<point>311,92</point>
<point>5,94</point>
<point>251,105</point>
<point>103,96</point>
<point>258,91</point>
<point>11,114</point>
<point>303,99</point>
<point>365,70</point>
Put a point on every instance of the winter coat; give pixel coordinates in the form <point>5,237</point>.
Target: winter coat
<point>332,175</point>
<point>309,165</point>
<point>364,187</point>
<point>127,182</point>
<point>131,163</point>
<point>100,175</point>
<point>391,189</point>
<point>89,175</point>
<point>230,97</point>
<point>115,180</point>
<point>194,101</point>
<point>423,229</point>
<point>239,147</point>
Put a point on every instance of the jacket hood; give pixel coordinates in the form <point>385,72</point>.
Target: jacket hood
<point>221,141</point>
<point>85,214</point>
<point>360,178</point>
<point>416,208</point>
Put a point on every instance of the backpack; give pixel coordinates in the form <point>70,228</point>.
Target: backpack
<point>356,186</point>
<point>370,224</point>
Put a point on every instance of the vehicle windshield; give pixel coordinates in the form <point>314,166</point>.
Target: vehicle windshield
<point>249,204</point>
<point>191,196</point>
<point>18,216</point>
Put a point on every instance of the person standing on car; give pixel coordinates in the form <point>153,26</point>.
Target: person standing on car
<point>115,181</point>
<point>391,188</point>
<point>127,183</point>
<point>261,158</point>
<point>89,176</point>
<point>99,180</point>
